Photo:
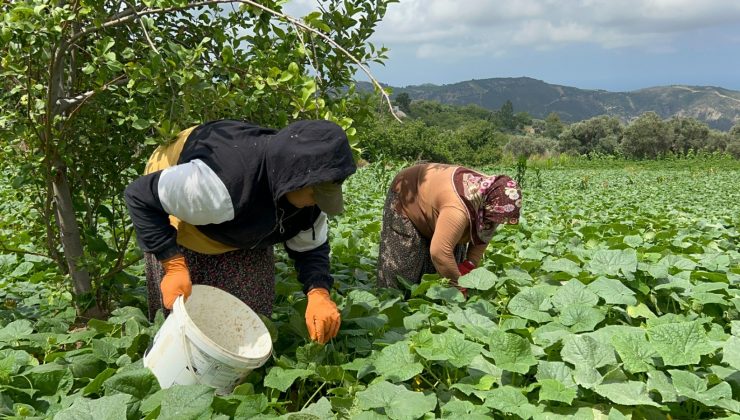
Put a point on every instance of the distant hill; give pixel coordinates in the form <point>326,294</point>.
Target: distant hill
<point>718,107</point>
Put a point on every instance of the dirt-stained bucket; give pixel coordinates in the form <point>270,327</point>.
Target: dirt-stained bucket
<point>213,338</point>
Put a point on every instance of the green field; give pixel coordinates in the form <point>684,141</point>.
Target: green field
<point>617,296</point>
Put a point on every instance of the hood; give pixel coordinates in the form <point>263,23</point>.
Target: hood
<point>306,153</point>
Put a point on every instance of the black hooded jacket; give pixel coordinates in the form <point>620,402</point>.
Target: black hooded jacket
<point>230,181</point>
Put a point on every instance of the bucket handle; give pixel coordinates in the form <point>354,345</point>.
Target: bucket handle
<point>186,346</point>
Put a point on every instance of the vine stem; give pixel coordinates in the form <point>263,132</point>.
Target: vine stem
<point>313,395</point>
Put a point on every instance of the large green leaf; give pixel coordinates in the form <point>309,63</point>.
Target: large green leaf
<point>626,393</point>
<point>281,379</point>
<point>586,352</point>
<point>397,363</point>
<point>549,334</point>
<point>451,346</point>
<point>445,294</point>
<point>612,262</point>
<point>669,264</point>
<point>580,318</point>
<point>511,352</point>
<point>50,379</point>
<point>138,383</point>
<point>680,343</point>
<point>472,323</point>
<point>554,390</point>
<point>561,264</point>
<point>532,303</point>
<point>456,407</point>
<point>509,400</point>
<point>396,401</point>
<point>16,330</point>
<point>479,279</point>
<point>481,366</point>
<point>613,291</point>
<point>731,352</point>
<point>573,293</point>
<point>634,350</point>
<point>658,381</point>
<point>691,386</point>
<point>555,370</point>
<point>186,402</point>
<point>109,407</point>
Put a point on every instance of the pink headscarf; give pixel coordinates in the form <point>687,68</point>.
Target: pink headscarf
<point>490,201</point>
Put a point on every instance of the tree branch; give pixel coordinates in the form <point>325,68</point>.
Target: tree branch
<point>63,104</point>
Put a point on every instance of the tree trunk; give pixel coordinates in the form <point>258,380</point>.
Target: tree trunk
<point>69,229</point>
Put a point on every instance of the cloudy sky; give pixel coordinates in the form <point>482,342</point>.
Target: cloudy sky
<point>616,45</point>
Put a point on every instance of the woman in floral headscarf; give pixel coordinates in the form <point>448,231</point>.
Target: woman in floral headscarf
<point>440,218</point>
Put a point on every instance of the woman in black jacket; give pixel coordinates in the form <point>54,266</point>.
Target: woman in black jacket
<point>214,202</point>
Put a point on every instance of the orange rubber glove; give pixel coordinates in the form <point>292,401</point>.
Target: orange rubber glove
<point>322,316</point>
<point>176,281</point>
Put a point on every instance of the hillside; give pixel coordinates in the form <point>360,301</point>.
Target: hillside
<point>718,107</point>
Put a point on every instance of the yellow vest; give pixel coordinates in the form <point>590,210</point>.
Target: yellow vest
<point>187,235</point>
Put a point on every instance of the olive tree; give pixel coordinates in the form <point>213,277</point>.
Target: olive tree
<point>89,87</point>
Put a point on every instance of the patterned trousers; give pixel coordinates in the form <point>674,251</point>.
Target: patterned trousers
<point>404,252</point>
<point>246,274</point>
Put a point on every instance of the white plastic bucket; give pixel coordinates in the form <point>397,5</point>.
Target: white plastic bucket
<point>213,338</point>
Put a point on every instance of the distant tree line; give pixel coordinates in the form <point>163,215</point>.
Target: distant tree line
<point>473,135</point>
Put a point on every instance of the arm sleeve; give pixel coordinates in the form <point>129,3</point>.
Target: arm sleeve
<point>475,253</point>
<point>309,249</point>
<point>151,222</point>
<point>190,191</point>
<point>450,227</point>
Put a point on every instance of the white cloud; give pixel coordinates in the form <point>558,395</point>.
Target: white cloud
<point>456,26</point>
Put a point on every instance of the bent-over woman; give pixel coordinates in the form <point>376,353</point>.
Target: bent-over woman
<point>440,218</point>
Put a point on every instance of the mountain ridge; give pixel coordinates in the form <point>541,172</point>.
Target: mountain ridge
<point>717,106</point>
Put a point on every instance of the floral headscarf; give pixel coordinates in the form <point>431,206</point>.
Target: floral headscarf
<point>490,201</point>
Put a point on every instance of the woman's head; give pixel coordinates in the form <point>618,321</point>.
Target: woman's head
<point>491,201</point>
<point>326,195</point>
<point>306,154</point>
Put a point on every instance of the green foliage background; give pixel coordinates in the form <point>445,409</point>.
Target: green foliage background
<point>616,296</point>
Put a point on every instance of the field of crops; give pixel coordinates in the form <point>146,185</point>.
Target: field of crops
<point>616,297</point>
